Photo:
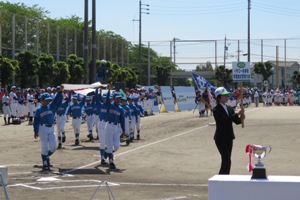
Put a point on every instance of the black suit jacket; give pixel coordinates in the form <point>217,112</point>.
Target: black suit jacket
<point>224,129</point>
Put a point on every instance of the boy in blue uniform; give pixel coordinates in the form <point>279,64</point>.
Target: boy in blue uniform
<point>100,103</point>
<point>44,125</point>
<point>128,118</point>
<point>114,126</point>
<point>61,120</point>
<point>134,117</point>
<point>75,109</point>
<point>88,109</point>
<point>140,111</point>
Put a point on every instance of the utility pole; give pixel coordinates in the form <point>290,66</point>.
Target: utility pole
<point>249,8</point>
<point>86,36</point>
<point>225,50</point>
<point>94,42</point>
<point>140,35</point>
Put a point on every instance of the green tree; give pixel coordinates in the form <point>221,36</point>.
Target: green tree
<point>181,81</point>
<point>296,78</point>
<point>143,71</point>
<point>132,78</point>
<point>46,72</point>
<point>60,73</point>
<point>264,69</point>
<point>76,69</point>
<point>8,69</point>
<point>223,76</point>
<point>206,67</point>
<point>29,68</point>
<point>163,70</point>
<point>19,12</point>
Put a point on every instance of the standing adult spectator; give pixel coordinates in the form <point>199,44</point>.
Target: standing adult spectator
<point>224,116</point>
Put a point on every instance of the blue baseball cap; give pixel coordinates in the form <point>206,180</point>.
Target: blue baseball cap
<point>117,95</point>
<point>104,95</point>
<point>87,98</point>
<point>124,98</point>
<point>46,96</point>
<point>75,96</point>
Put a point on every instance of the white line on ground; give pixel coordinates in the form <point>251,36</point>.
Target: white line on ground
<point>138,148</point>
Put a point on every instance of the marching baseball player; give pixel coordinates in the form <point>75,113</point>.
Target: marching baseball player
<point>44,125</point>
<point>61,119</point>
<point>128,118</point>
<point>88,109</point>
<point>140,111</point>
<point>75,109</point>
<point>100,104</point>
<point>134,117</point>
<point>114,126</point>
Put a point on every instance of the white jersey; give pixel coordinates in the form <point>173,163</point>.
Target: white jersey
<point>13,97</point>
<point>5,100</point>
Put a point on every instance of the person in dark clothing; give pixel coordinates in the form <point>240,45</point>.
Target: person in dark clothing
<point>224,116</point>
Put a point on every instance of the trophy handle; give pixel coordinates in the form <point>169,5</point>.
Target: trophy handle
<point>270,149</point>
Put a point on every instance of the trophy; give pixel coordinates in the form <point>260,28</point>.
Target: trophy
<point>259,152</point>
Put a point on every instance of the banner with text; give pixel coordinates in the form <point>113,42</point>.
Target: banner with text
<point>168,99</point>
<point>241,72</point>
<point>185,96</point>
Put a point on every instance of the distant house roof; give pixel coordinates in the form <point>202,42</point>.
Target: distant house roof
<point>288,63</point>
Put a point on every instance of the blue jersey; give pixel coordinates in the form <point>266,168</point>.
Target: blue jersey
<point>62,109</point>
<point>45,114</point>
<point>133,111</point>
<point>140,109</point>
<point>89,109</point>
<point>100,106</point>
<point>75,109</point>
<point>127,111</point>
<point>115,113</point>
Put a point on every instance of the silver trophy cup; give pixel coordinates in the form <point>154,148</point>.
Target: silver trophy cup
<point>260,152</point>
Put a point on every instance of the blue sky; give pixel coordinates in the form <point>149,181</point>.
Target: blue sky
<point>196,20</point>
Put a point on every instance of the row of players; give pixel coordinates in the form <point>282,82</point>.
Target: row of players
<point>280,98</point>
<point>21,104</point>
<point>113,114</point>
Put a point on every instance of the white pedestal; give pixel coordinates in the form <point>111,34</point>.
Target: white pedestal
<point>237,187</point>
<point>4,173</point>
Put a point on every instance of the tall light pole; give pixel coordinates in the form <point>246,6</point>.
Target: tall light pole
<point>140,35</point>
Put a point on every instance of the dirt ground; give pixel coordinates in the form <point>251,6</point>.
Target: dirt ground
<point>173,160</point>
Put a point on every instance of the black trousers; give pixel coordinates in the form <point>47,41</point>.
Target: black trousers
<point>225,149</point>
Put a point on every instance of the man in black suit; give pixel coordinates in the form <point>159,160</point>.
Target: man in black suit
<point>224,116</point>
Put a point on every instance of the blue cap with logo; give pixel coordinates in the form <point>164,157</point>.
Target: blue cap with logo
<point>46,96</point>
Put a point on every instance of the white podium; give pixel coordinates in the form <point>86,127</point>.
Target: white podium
<point>242,187</point>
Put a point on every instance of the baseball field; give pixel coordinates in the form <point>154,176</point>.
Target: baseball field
<point>173,160</point>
